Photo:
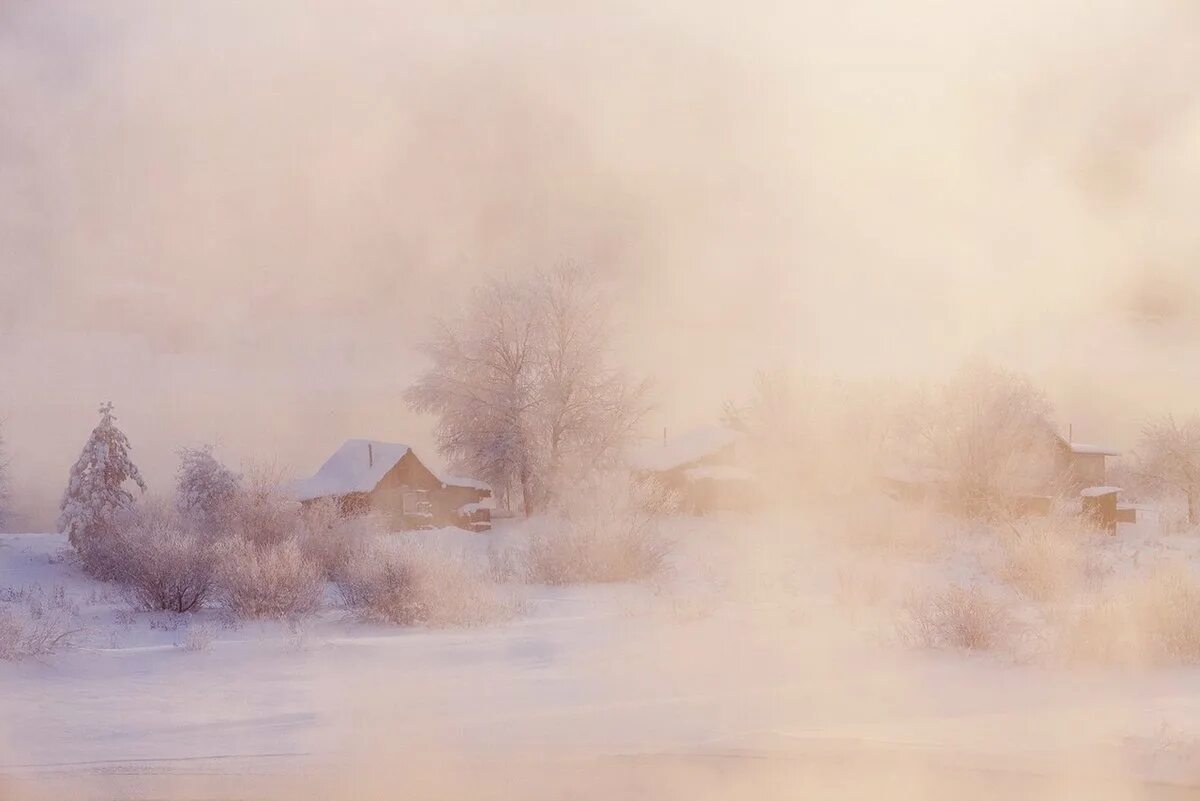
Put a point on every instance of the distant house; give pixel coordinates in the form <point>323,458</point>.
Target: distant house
<point>387,478</point>
<point>1077,474</point>
<point>1080,465</point>
<point>702,467</point>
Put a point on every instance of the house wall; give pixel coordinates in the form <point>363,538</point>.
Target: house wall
<point>1088,469</point>
<point>411,475</point>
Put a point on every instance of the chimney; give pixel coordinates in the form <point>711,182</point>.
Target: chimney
<point>370,454</point>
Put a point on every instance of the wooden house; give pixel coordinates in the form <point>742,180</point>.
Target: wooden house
<point>702,468</point>
<point>1079,465</point>
<point>386,478</point>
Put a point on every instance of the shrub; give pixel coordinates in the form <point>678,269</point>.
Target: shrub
<point>1046,558</point>
<point>262,512</point>
<point>198,637</point>
<point>1154,619</point>
<point>23,637</point>
<point>268,579</point>
<point>410,583</point>
<point>330,539</point>
<point>957,618</point>
<point>164,559</point>
<point>605,530</point>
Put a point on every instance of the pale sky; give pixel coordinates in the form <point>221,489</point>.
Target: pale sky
<point>234,220</point>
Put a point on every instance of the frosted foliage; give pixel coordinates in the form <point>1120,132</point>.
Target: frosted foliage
<point>523,389</point>
<point>205,488</point>
<point>96,491</point>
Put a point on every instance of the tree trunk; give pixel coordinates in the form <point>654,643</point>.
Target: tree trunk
<point>526,492</point>
<point>1193,502</point>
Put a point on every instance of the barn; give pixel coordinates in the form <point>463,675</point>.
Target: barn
<point>388,478</point>
<point>702,467</point>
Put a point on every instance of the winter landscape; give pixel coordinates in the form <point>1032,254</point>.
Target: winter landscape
<point>647,400</point>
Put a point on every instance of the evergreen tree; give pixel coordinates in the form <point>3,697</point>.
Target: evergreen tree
<point>96,492</point>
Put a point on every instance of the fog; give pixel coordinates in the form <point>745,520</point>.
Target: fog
<point>235,221</point>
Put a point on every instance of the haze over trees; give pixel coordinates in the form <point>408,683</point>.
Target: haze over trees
<point>523,387</point>
<point>1167,460</point>
<point>96,493</point>
<point>809,434</point>
<point>989,431</point>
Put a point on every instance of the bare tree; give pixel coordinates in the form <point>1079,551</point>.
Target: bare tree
<point>1167,460</point>
<point>806,433</point>
<point>522,386</point>
<point>988,431</point>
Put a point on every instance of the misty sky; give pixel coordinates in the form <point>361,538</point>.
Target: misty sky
<point>234,220</point>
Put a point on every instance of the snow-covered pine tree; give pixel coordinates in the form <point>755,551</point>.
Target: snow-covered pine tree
<point>96,493</point>
<point>205,488</point>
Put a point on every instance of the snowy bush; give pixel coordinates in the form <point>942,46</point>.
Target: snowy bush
<point>1046,558</point>
<point>956,618</point>
<point>96,494</point>
<point>410,583</point>
<point>606,529</point>
<point>267,579</point>
<point>205,489</point>
<point>164,559</point>
<point>330,539</point>
<point>26,636</point>
<point>263,512</point>
<point>1153,619</point>
<point>198,637</point>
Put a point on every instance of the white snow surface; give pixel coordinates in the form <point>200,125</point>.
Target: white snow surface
<point>1095,492</point>
<point>752,645</point>
<point>1083,448</point>
<point>682,450</point>
<point>462,481</point>
<point>357,466</point>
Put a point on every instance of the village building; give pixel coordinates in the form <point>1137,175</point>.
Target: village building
<point>386,478</point>
<point>702,467</point>
<point>1077,475</point>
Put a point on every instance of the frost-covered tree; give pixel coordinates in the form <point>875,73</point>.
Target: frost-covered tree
<point>1167,460</point>
<point>96,491</point>
<point>522,385</point>
<point>204,488</point>
<point>988,432</point>
<point>808,434</point>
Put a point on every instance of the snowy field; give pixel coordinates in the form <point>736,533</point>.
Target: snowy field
<point>768,660</point>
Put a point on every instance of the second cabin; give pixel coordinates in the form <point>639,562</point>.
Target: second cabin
<point>386,478</point>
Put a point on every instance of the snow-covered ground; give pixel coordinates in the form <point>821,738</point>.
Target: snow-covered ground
<point>770,639</point>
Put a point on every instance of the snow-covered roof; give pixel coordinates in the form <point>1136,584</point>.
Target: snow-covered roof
<point>684,449</point>
<point>720,472</point>
<point>460,481</point>
<point>1095,492</point>
<point>358,466</point>
<point>1079,447</point>
<point>472,508</point>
